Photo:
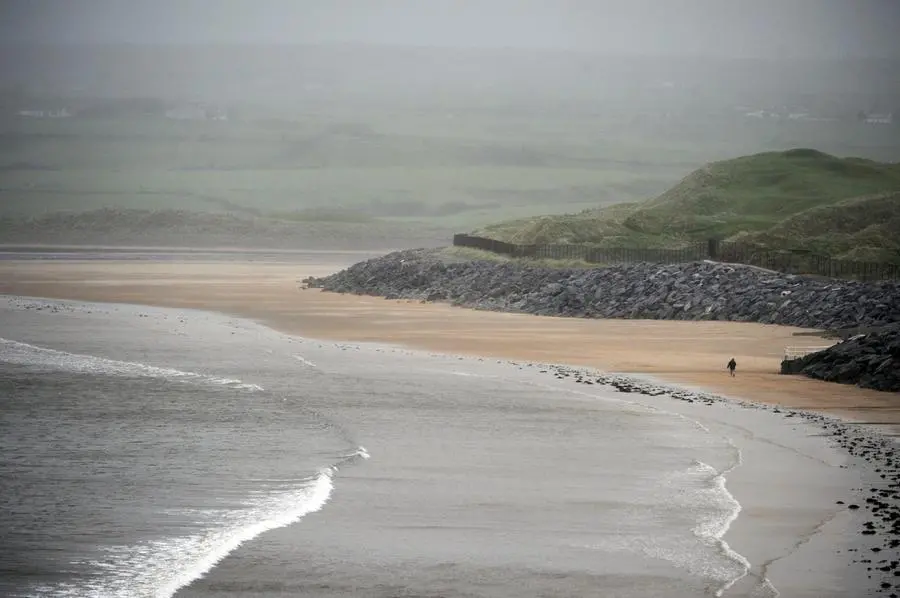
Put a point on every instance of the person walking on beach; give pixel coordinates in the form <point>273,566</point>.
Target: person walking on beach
<point>731,365</point>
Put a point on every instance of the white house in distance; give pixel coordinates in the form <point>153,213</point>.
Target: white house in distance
<point>60,113</point>
<point>761,114</point>
<point>880,118</point>
<point>196,111</point>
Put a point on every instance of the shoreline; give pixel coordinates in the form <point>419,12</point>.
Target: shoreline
<point>740,534</point>
<point>684,354</point>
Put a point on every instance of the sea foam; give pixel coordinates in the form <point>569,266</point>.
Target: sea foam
<point>158,569</point>
<point>19,353</point>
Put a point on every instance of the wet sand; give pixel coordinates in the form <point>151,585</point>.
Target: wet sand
<point>689,354</point>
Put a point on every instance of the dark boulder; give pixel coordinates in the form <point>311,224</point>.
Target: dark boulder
<point>869,361</point>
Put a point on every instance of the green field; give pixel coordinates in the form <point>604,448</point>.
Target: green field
<point>458,176</point>
<point>457,168</point>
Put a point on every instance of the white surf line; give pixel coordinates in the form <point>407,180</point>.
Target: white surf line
<point>319,494</point>
<point>20,353</point>
<point>718,534</point>
<point>163,578</point>
<point>160,568</point>
<point>305,361</point>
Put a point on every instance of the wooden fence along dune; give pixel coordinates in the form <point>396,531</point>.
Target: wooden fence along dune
<point>791,262</point>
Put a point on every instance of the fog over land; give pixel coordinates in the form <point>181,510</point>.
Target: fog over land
<point>720,28</point>
<point>596,36</point>
<point>455,113</point>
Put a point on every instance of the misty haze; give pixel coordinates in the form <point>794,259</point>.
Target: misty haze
<point>414,119</point>
<point>275,280</point>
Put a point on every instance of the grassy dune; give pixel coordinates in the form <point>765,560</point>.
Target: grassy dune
<point>862,228</point>
<point>802,198</point>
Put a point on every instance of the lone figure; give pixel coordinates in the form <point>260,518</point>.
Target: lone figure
<point>731,365</point>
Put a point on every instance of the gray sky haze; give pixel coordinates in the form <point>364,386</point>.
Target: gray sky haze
<point>721,28</point>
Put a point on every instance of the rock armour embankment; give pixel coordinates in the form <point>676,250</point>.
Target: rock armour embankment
<point>694,291</point>
<point>869,361</point>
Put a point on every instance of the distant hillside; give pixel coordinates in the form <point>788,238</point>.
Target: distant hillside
<point>182,228</point>
<point>799,198</point>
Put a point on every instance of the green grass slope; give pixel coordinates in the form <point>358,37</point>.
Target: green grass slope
<point>863,228</point>
<point>795,198</point>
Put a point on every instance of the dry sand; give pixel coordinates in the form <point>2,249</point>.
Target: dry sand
<point>690,354</point>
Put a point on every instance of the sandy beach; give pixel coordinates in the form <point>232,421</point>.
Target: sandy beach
<point>487,476</point>
<point>689,354</point>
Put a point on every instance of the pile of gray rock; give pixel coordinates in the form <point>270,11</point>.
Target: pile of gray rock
<point>869,361</point>
<point>693,291</point>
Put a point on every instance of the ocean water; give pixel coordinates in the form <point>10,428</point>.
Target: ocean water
<point>151,452</point>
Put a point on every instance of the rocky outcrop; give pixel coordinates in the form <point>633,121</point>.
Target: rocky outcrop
<point>694,291</point>
<point>869,361</point>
